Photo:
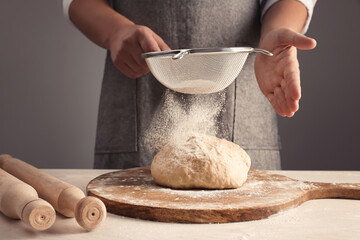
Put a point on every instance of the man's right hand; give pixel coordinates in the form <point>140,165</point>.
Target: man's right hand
<point>112,31</point>
<point>127,45</point>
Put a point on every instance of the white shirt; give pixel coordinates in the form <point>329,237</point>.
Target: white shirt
<point>309,4</point>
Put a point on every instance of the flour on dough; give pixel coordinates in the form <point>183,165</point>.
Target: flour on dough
<point>201,162</point>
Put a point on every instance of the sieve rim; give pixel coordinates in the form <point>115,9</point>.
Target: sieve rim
<point>204,50</point>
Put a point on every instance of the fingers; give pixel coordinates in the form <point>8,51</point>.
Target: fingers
<point>128,71</point>
<point>279,76</point>
<point>150,41</point>
<point>128,60</point>
<point>280,101</point>
<point>280,104</point>
<point>288,78</point>
<point>147,41</point>
<point>163,46</point>
<point>292,85</point>
<point>135,63</point>
<point>282,98</point>
<point>288,69</point>
<point>128,66</point>
<point>127,52</point>
<point>289,37</point>
<point>283,105</point>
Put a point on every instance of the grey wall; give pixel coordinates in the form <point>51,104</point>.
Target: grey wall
<point>50,78</point>
<point>325,133</point>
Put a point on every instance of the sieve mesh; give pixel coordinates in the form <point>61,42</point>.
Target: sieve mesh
<point>197,73</point>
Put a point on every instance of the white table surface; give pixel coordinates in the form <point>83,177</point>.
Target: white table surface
<point>315,219</point>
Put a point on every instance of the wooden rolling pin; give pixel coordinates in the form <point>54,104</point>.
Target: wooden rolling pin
<point>19,200</point>
<point>67,199</point>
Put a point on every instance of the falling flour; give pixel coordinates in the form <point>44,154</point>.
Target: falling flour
<point>182,116</point>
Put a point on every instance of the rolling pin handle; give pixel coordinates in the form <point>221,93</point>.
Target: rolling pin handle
<point>19,200</point>
<point>90,212</point>
<point>67,199</point>
<point>38,214</point>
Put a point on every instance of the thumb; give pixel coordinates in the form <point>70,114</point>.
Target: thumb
<point>289,37</point>
<point>148,43</point>
<point>163,46</point>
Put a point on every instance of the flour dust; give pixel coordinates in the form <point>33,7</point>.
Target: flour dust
<point>182,116</point>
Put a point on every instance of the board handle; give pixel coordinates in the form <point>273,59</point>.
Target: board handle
<point>334,190</point>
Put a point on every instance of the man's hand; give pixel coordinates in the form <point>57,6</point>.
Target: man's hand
<point>127,45</point>
<point>279,76</point>
<point>113,31</point>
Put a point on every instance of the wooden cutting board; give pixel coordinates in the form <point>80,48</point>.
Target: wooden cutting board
<point>133,193</point>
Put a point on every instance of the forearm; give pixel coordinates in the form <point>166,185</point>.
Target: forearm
<point>97,20</point>
<point>279,76</point>
<point>284,14</point>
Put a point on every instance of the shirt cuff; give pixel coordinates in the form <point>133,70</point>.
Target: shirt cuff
<point>65,8</point>
<point>309,4</point>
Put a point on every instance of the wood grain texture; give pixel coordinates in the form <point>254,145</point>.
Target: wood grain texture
<point>133,193</point>
<point>19,200</point>
<point>67,199</point>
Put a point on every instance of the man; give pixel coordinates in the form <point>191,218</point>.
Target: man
<point>127,28</point>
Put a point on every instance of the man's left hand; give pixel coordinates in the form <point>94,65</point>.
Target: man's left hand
<point>279,76</point>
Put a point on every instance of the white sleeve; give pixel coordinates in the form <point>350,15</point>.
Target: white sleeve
<point>65,8</point>
<point>309,4</point>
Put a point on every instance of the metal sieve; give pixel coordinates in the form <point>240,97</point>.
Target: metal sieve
<point>198,70</point>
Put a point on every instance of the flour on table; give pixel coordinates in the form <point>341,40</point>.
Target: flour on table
<point>261,189</point>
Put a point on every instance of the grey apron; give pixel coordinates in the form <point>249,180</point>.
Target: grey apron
<point>127,105</point>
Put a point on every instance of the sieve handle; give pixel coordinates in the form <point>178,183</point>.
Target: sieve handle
<point>181,54</point>
<point>259,50</point>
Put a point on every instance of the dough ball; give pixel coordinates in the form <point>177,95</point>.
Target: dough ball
<point>201,162</point>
